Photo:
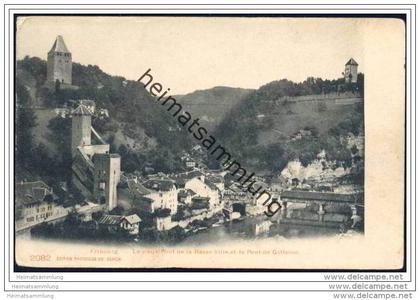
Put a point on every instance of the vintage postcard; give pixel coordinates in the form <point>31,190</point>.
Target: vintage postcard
<point>240,142</point>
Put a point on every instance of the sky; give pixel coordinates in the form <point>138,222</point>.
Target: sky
<point>192,53</point>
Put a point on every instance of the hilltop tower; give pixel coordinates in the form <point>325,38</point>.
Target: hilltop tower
<point>59,63</point>
<point>350,71</point>
<point>81,124</point>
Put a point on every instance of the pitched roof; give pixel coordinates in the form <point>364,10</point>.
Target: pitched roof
<point>185,192</point>
<point>82,110</point>
<point>137,188</point>
<point>59,45</point>
<point>110,220</point>
<point>39,193</point>
<point>200,199</point>
<point>159,185</point>
<point>87,102</point>
<point>319,196</point>
<point>235,189</point>
<point>210,184</point>
<point>116,219</point>
<point>352,62</point>
<point>215,178</point>
<point>132,219</point>
<point>31,192</point>
<point>181,178</point>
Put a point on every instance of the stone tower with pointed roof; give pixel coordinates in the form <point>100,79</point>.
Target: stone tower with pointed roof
<point>350,71</point>
<point>95,171</point>
<point>59,63</point>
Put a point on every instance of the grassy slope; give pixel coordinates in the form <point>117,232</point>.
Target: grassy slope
<point>41,132</point>
<point>212,105</point>
<point>304,114</point>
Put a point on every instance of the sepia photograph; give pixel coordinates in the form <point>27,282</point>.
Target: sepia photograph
<point>206,142</point>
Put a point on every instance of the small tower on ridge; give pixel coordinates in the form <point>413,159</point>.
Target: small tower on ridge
<point>59,63</point>
<point>350,71</point>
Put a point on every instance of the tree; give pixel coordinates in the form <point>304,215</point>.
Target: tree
<point>354,150</point>
<point>162,212</point>
<point>117,211</point>
<point>57,86</point>
<point>35,67</point>
<point>273,157</point>
<point>25,123</point>
<point>60,135</point>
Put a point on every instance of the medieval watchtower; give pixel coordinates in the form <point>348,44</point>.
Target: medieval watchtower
<point>350,71</point>
<point>106,178</point>
<point>59,63</point>
<point>96,172</point>
<point>80,128</point>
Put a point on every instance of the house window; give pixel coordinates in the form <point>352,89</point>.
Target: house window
<point>102,185</point>
<point>31,219</point>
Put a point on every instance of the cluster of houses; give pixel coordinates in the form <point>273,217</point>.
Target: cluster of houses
<point>36,203</point>
<point>172,200</point>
